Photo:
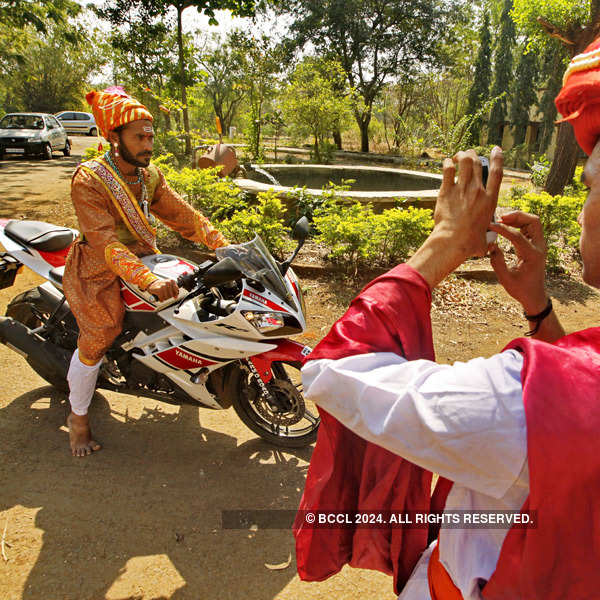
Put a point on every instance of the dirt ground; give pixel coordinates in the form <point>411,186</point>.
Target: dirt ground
<point>142,518</point>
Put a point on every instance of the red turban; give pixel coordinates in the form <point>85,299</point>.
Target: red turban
<point>579,99</point>
<point>114,107</point>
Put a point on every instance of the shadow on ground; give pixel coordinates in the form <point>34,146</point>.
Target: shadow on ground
<point>158,488</point>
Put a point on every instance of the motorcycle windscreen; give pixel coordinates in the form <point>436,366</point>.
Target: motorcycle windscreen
<point>255,261</point>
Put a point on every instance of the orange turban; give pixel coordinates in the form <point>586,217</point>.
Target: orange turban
<point>114,107</point>
<point>579,99</point>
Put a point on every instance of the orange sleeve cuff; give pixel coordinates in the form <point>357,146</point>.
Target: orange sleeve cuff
<point>206,234</point>
<point>128,266</point>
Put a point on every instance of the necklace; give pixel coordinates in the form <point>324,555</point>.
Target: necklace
<point>111,162</point>
<point>140,179</point>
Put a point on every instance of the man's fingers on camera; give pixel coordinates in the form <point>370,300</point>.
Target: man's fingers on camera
<point>523,246</point>
<point>529,224</point>
<point>496,171</point>
<point>465,169</point>
<point>449,175</point>
<point>498,261</point>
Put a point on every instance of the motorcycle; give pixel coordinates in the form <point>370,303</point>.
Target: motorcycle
<point>223,342</point>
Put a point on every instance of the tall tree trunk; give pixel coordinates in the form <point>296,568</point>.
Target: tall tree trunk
<point>565,160</point>
<point>186,118</point>
<point>337,138</point>
<point>363,124</point>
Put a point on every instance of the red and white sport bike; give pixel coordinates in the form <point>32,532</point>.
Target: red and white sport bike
<point>222,343</point>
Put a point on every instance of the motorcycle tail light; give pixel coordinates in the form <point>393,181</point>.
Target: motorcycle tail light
<point>263,322</point>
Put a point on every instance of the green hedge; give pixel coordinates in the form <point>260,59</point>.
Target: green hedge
<point>559,219</point>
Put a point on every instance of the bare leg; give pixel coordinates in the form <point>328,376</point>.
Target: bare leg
<point>80,435</point>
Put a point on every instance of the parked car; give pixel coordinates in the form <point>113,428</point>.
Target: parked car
<point>32,133</point>
<point>78,122</point>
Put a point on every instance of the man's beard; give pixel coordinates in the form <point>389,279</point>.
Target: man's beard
<point>140,160</point>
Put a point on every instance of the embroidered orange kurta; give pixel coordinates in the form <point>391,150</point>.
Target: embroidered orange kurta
<point>107,250</point>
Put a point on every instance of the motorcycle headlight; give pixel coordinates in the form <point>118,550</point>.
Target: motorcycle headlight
<point>263,322</point>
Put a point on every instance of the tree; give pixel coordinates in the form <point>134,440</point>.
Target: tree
<point>310,105</point>
<point>38,14</point>
<point>118,12</point>
<point>373,40</point>
<point>19,18</point>
<point>54,74</point>
<point>575,24</point>
<point>524,94</point>
<point>503,65</point>
<point>224,80</point>
<point>551,75</point>
<point>261,62</point>
<point>480,90</point>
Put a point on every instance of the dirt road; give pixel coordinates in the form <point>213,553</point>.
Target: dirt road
<point>141,518</point>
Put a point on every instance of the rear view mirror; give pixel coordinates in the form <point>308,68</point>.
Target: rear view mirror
<point>222,272</point>
<point>301,229</point>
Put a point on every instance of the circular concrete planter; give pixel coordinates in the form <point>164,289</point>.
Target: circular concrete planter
<point>385,185</point>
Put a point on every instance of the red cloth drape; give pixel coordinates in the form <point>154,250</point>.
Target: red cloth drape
<point>560,558</point>
<point>347,473</point>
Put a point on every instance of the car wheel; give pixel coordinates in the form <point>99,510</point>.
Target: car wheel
<point>67,149</point>
<point>47,152</point>
<point>93,132</point>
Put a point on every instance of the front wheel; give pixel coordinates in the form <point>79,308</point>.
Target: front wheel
<point>285,419</point>
<point>67,149</point>
<point>47,152</point>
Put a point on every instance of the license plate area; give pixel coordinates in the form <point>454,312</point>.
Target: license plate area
<point>15,150</point>
<point>9,267</point>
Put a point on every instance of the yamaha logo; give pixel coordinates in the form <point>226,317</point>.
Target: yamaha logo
<point>189,357</point>
<point>256,297</point>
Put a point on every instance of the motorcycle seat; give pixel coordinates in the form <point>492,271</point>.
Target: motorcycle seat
<point>39,235</point>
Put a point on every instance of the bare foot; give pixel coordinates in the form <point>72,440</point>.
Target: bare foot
<point>80,436</point>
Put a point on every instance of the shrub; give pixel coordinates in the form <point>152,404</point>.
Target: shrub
<point>306,205</point>
<point>539,171</point>
<point>264,219</point>
<point>216,197</point>
<point>401,231</point>
<point>348,231</point>
<point>559,219</point>
<point>357,236</point>
<point>92,152</point>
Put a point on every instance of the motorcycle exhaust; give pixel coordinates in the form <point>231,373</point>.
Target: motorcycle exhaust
<point>22,340</point>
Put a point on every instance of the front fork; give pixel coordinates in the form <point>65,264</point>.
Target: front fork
<point>260,366</point>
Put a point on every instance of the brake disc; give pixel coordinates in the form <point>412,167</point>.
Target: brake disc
<point>292,399</point>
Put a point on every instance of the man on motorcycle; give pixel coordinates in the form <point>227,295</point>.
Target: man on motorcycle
<point>514,432</point>
<point>116,198</point>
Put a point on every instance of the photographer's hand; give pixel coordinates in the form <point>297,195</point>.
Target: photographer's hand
<point>463,213</point>
<point>525,281</point>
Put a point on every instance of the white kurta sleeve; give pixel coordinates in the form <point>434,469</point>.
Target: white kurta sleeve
<point>465,421</point>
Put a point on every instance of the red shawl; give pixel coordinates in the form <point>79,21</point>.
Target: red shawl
<point>557,560</point>
<point>347,473</point>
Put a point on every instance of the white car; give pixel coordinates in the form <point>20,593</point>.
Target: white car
<point>78,122</point>
<point>32,133</point>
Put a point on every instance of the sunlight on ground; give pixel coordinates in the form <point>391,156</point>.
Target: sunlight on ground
<point>344,585</point>
<point>22,541</point>
<point>146,569</point>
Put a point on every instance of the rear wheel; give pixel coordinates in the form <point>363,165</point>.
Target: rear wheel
<point>289,421</point>
<point>30,309</point>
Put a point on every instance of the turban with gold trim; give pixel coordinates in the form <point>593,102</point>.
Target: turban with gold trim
<point>114,107</point>
<point>579,98</point>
